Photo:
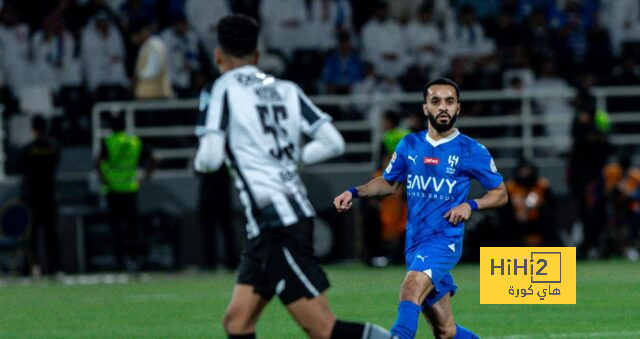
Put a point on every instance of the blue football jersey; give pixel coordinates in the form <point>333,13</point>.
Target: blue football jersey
<point>438,177</point>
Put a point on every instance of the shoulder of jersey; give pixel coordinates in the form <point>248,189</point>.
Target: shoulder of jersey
<point>470,145</point>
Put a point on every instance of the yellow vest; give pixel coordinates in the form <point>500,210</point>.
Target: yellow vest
<point>120,167</point>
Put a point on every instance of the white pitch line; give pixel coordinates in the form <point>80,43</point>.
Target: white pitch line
<point>630,334</point>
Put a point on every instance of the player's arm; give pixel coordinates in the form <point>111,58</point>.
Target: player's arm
<point>377,187</point>
<point>211,130</point>
<point>497,197</point>
<point>483,169</point>
<point>210,154</point>
<point>327,143</point>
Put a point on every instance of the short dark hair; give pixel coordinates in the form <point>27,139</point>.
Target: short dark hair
<point>440,81</point>
<point>39,123</point>
<point>238,35</point>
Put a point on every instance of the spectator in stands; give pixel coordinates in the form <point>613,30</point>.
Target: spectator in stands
<point>14,39</point>
<point>328,19</point>
<point>626,25</point>
<point>285,26</point>
<point>505,31</point>
<point>377,86</point>
<point>529,212</point>
<point>621,193</point>
<point>465,37</point>
<point>342,68</point>
<point>103,56</point>
<point>384,43</point>
<point>120,156</point>
<point>37,163</point>
<point>54,54</point>
<point>133,13</point>
<point>203,16</point>
<point>183,54</point>
<point>590,149</point>
<point>423,35</point>
<point>556,112</point>
<point>538,35</point>
<point>78,14</point>
<point>627,73</point>
<point>572,35</point>
<point>406,10</point>
<point>152,74</point>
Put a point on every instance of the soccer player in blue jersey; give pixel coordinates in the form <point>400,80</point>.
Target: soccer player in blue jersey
<point>436,166</point>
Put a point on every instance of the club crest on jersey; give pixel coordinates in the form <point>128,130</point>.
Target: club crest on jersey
<point>453,161</point>
<point>430,161</point>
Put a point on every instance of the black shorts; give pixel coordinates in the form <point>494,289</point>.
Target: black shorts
<point>281,261</point>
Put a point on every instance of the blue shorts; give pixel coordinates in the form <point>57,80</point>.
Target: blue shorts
<point>436,258</point>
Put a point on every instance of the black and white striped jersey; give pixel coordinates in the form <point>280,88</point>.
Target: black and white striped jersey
<point>262,119</point>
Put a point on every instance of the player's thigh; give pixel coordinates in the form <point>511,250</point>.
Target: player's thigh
<point>313,315</point>
<point>243,310</point>
<point>440,317</point>
<point>415,287</point>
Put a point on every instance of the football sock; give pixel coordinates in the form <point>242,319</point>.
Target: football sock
<point>406,324</point>
<point>347,330</point>
<point>242,336</point>
<point>463,333</point>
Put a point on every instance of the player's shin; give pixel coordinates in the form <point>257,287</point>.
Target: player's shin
<point>406,323</point>
<point>463,333</point>
<point>345,330</point>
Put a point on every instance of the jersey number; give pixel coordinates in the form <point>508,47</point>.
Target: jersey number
<point>270,117</point>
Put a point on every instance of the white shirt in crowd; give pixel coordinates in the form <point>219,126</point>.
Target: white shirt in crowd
<point>467,41</point>
<point>14,43</point>
<point>103,57</point>
<point>384,46</point>
<point>183,55</point>
<point>203,16</point>
<point>423,42</point>
<point>54,59</point>
<point>327,16</point>
<point>285,25</point>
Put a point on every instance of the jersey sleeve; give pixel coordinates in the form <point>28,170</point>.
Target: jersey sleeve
<point>312,116</point>
<point>214,111</point>
<point>482,167</point>
<point>396,170</point>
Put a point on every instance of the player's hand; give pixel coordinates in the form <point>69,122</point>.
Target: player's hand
<point>459,213</point>
<point>343,202</point>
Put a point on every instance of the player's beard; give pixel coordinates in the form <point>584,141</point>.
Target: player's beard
<point>439,126</point>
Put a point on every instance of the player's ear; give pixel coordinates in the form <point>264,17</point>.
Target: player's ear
<point>217,56</point>
<point>256,57</point>
<point>425,110</point>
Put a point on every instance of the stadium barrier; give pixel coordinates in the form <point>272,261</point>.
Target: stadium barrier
<point>526,140</point>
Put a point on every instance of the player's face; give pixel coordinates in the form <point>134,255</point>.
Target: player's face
<point>442,107</point>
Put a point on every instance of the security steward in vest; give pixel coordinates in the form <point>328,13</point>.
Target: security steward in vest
<point>120,156</point>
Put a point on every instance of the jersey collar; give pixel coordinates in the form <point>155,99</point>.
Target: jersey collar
<point>436,143</point>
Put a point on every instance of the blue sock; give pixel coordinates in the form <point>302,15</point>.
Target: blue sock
<point>463,333</point>
<point>406,324</point>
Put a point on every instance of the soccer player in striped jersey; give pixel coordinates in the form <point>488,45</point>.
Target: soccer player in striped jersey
<point>254,122</point>
<point>436,166</point>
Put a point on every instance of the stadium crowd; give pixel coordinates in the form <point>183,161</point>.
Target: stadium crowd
<point>58,58</point>
<point>67,47</point>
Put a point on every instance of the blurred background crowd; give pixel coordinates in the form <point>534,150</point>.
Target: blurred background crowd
<point>58,58</point>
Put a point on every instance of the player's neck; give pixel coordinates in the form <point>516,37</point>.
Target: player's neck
<point>435,135</point>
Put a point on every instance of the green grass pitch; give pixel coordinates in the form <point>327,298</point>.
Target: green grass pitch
<point>192,305</point>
